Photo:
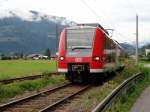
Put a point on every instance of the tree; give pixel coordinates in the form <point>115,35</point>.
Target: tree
<point>48,53</point>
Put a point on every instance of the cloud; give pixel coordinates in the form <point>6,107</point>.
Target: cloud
<point>117,14</point>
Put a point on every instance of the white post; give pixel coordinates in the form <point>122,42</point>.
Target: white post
<point>136,39</point>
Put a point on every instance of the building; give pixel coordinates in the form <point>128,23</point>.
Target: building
<point>147,51</point>
<point>37,56</point>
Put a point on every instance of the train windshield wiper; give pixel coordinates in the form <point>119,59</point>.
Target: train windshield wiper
<point>80,47</point>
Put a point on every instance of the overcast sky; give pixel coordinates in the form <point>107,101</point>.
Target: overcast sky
<point>116,14</point>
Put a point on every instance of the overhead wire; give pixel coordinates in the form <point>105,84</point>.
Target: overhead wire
<point>134,10</point>
<point>97,15</point>
<point>92,10</point>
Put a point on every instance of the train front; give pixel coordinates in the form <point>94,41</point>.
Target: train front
<point>80,52</point>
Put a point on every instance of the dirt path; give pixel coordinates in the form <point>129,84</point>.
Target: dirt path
<point>143,102</point>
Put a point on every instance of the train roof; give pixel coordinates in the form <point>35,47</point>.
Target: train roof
<point>94,25</point>
<point>78,27</point>
<point>89,25</point>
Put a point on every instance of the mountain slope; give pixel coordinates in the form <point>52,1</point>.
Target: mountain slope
<point>129,49</point>
<point>33,32</point>
<point>29,36</point>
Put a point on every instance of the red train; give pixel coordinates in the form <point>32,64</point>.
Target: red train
<point>86,52</point>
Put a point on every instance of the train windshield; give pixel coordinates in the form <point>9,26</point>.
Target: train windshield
<point>80,41</point>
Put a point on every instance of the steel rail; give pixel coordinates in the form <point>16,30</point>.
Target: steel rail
<point>7,81</point>
<point>4,106</point>
<point>104,104</point>
<point>59,102</point>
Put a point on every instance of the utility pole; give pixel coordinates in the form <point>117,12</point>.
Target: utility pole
<point>56,44</point>
<point>137,39</point>
<point>56,37</point>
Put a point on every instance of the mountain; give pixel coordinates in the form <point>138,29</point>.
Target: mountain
<point>34,32</point>
<point>128,48</point>
<point>30,33</point>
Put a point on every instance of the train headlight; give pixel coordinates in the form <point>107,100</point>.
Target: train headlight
<point>62,58</point>
<point>96,58</point>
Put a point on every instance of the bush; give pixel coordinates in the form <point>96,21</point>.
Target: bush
<point>3,57</point>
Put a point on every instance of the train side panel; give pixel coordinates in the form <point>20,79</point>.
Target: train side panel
<point>62,65</point>
<point>112,54</point>
<point>98,52</point>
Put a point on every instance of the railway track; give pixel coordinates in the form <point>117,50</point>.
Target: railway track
<point>44,101</point>
<point>7,81</point>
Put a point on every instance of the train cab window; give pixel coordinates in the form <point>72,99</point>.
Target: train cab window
<point>80,40</point>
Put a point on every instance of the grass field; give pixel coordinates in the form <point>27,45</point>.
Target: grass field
<point>19,68</point>
<point>142,63</point>
<point>89,101</point>
<point>93,97</point>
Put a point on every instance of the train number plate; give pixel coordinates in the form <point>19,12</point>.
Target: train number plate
<point>77,68</point>
<point>78,59</point>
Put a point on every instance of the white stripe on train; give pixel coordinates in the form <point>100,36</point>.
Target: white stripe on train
<point>91,70</point>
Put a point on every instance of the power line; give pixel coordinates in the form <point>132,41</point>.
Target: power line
<point>97,16</point>
<point>95,13</point>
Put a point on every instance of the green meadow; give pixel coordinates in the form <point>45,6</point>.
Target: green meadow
<point>19,68</point>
